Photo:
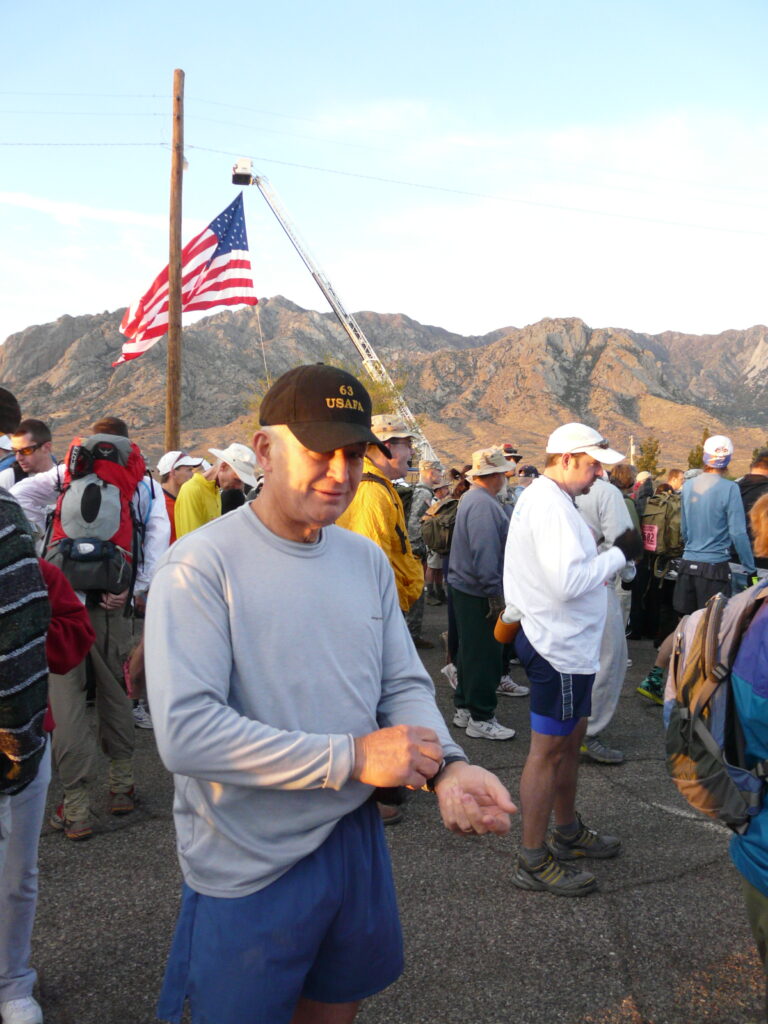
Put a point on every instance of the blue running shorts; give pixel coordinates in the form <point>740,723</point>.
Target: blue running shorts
<point>559,700</point>
<point>327,930</point>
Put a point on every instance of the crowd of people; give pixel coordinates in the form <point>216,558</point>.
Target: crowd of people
<point>169,601</point>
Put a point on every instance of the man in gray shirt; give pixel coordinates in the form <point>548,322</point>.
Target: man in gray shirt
<point>284,689</point>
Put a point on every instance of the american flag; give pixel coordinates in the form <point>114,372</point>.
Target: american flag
<point>215,271</point>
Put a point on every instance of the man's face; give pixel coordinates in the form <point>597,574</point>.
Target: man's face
<point>180,474</point>
<point>227,478</point>
<point>39,457</point>
<point>579,473</point>
<point>402,450</point>
<point>434,476</point>
<point>307,490</point>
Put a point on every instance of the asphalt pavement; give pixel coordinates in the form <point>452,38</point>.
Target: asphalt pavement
<point>663,941</point>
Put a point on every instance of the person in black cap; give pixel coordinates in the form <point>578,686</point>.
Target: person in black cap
<point>284,689</point>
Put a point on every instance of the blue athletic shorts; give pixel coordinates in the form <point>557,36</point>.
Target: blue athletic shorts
<point>327,930</point>
<point>558,699</point>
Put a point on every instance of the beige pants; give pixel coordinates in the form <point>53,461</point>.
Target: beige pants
<point>74,745</point>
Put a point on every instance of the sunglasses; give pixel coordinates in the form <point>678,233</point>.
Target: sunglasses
<point>29,450</point>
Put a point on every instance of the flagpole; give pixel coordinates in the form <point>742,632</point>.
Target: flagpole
<point>173,372</point>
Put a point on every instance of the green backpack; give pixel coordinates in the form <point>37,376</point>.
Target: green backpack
<point>661,525</point>
<point>437,525</point>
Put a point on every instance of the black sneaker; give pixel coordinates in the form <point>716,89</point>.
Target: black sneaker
<point>550,876</point>
<point>585,843</point>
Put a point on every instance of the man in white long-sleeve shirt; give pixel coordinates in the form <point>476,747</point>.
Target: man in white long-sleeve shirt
<point>285,688</point>
<point>554,577</point>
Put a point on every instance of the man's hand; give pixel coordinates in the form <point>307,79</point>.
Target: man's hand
<point>472,800</point>
<point>113,601</point>
<point>403,755</point>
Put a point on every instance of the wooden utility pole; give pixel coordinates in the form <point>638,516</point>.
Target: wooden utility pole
<point>173,373</point>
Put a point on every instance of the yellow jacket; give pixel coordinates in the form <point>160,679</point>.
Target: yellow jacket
<point>377,512</point>
<point>197,503</point>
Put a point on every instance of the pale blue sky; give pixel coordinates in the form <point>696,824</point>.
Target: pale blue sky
<point>601,160</point>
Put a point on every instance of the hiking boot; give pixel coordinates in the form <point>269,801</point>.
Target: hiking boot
<point>77,830</point>
<point>550,876</point>
<point>122,803</point>
<point>596,750</point>
<point>652,687</point>
<point>432,598</point>
<point>492,729</point>
<point>509,688</point>
<point>421,644</point>
<point>461,717</point>
<point>450,673</point>
<point>586,842</point>
<point>21,1011</point>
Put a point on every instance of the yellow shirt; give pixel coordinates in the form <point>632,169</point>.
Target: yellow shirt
<point>377,512</point>
<point>197,503</point>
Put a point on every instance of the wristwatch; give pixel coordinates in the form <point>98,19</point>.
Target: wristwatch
<point>430,784</point>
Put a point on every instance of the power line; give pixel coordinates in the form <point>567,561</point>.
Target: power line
<point>487,195</point>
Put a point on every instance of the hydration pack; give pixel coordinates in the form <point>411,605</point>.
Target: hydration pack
<point>95,538</point>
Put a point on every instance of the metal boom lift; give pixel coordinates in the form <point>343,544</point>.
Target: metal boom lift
<point>242,174</point>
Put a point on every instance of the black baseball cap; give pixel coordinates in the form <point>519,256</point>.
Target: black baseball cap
<point>325,408</point>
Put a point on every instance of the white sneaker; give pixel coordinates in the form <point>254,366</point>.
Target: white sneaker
<point>462,717</point>
<point>509,688</point>
<point>141,717</point>
<point>21,1011</point>
<point>490,730</point>
<point>450,673</point>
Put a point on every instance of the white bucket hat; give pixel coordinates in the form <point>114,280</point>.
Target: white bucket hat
<point>575,438</point>
<point>241,459</point>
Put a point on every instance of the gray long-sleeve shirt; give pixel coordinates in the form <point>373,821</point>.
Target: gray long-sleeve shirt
<point>476,563</point>
<point>265,657</point>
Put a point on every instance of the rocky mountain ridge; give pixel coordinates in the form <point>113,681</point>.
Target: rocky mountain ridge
<point>511,384</point>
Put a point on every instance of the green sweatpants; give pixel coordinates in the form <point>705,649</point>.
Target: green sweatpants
<point>480,659</point>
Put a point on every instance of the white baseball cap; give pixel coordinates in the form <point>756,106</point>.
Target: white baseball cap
<point>171,460</point>
<point>718,450</point>
<point>241,458</point>
<point>575,438</point>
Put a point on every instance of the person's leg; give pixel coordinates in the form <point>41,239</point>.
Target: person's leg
<point>540,783</point>
<point>613,667</point>
<point>756,905</point>
<point>567,776</point>
<point>414,617</point>
<point>310,1012</point>
<point>18,886</point>
<point>480,656</point>
<point>116,728</point>
<point>74,749</point>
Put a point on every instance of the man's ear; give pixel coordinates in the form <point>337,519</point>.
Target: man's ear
<point>262,446</point>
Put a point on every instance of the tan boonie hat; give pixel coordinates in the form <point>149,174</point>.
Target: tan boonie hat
<point>487,461</point>
<point>385,426</point>
<point>425,464</point>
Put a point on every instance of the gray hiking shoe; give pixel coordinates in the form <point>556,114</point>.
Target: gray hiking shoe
<point>585,843</point>
<point>596,750</point>
<point>550,876</point>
